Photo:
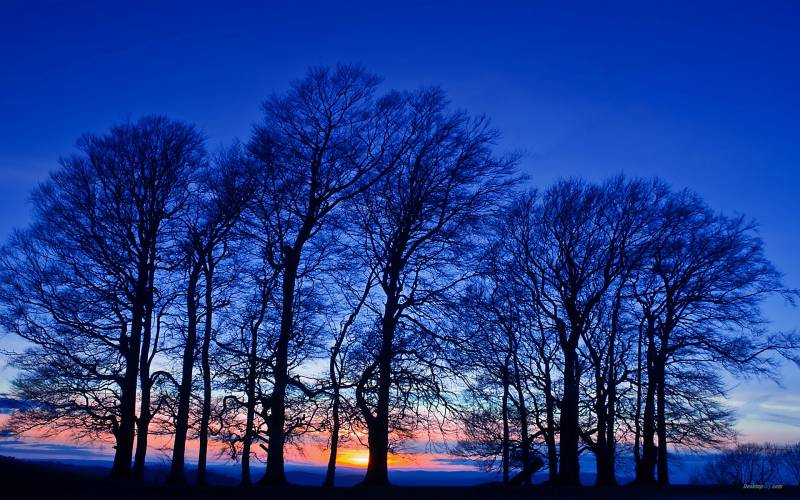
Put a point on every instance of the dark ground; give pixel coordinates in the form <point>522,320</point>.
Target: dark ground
<point>21,479</point>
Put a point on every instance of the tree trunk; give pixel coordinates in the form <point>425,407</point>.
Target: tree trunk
<point>649,452</point>
<point>143,423</point>
<point>527,471</point>
<point>205,364</point>
<point>330,472</point>
<point>550,434</point>
<point>142,426</point>
<point>525,442</point>
<point>336,382</point>
<point>252,379</point>
<point>127,426</point>
<point>637,421</point>
<point>144,372</point>
<point>569,468</point>
<point>604,466</point>
<point>663,465</point>
<point>378,439</point>
<point>506,433</point>
<point>605,469</point>
<point>552,456</point>
<point>177,472</point>
<point>247,440</point>
<point>606,414</point>
<point>275,474</point>
<point>378,446</point>
<point>610,477</point>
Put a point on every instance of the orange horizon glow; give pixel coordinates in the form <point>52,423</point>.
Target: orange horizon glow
<point>310,453</point>
<point>353,458</point>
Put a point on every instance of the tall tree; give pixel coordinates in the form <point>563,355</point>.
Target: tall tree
<point>152,344</point>
<point>320,144</point>
<point>699,296</point>
<point>570,247</point>
<point>420,226</point>
<point>244,347</point>
<point>567,266</point>
<point>498,387</point>
<point>222,193</point>
<point>628,216</point>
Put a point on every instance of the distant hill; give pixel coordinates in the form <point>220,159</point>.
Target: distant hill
<point>52,480</point>
<point>683,466</point>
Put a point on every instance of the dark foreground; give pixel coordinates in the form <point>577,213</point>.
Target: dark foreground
<point>20,479</point>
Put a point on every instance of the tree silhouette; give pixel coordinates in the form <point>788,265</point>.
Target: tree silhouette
<point>320,144</point>
<point>223,192</point>
<point>699,294</point>
<point>585,256</point>
<point>419,224</point>
<point>568,258</point>
<point>79,285</point>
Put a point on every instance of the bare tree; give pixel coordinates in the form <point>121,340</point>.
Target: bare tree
<point>487,352</point>
<point>79,284</point>
<point>365,270</point>
<point>568,257</point>
<point>320,144</point>
<point>501,365</point>
<point>150,403</point>
<point>628,216</point>
<point>419,225</point>
<point>354,295</point>
<point>572,251</point>
<point>699,295</point>
<point>758,464</point>
<point>244,347</point>
<point>222,192</point>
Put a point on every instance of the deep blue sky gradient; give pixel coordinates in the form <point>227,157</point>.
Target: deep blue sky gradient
<point>702,94</point>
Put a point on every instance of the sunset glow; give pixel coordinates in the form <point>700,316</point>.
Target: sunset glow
<point>353,458</point>
<point>65,446</point>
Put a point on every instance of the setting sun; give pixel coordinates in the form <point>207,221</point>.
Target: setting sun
<point>354,458</point>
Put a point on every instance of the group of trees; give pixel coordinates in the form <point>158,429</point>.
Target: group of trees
<point>761,465</point>
<point>367,268</point>
<point>611,312</point>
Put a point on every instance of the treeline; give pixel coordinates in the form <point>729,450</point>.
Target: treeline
<point>757,465</point>
<point>366,268</point>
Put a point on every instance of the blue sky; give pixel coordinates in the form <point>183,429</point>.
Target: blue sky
<point>702,94</point>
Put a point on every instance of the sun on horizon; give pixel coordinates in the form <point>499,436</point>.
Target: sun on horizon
<point>353,458</point>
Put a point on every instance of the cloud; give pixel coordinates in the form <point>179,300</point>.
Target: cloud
<point>9,404</point>
<point>37,447</point>
<point>26,448</point>
<point>790,420</point>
